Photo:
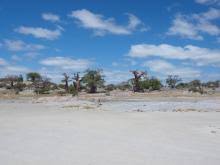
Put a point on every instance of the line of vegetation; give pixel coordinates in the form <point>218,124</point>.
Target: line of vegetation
<point>92,81</point>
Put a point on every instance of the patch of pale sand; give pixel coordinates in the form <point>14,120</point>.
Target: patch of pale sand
<point>32,134</point>
<point>176,104</point>
<point>202,105</point>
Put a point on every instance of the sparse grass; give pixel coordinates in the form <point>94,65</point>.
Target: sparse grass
<point>88,107</point>
<point>79,106</point>
<point>186,110</point>
<point>71,106</point>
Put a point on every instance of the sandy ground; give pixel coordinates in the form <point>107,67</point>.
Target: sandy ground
<point>63,130</point>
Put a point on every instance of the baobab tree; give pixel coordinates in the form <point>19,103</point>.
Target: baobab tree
<point>76,82</point>
<point>136,80</point>
<point>13,82</point>
<point>172,81</point>
<point>93,79</point>
<point>196,86</point>
<point>33,76</point>
<point>66,81</point>
<point>42,86</point>
<point>12,79</point>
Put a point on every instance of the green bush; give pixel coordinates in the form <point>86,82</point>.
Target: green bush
<point>182,85</point>
<point>196,90</point>
<point>93,79</point>
<point>62,86</point>
<point>19,86</point>
<point>155,84</point>
<point>123,86</point>
<point>42,90</point>
<point>151,84</point>
<point>73,90</point>
<point>110,87</point>
<point>196,86</point>
<point>145,84</point>
<point>173,80</point>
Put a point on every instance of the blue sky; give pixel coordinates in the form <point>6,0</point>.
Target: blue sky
<point>160,37</point>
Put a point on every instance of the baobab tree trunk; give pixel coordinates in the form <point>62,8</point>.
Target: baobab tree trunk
<point>78,86</point>
<point>12,84</point>
<point>136,82</point>
<point>93,89</point>
<point>66,80</point>
<point>77,82</point>
<point>136,87</point>
<point>67,86</point>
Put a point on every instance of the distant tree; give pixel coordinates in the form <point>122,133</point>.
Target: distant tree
<point>62,86</point>
<point>42,86</point>
<point>212,84</point>
<point>136,80</point>
<point>172,81</point>
<point>126,85</point>
<point>155,84</point>
<point>66,81</point>
<point>195,83</point>
<point>20,78</point>
<point>33,76</point>
<point>11,79</point>
<point>151,84</point>
<point>110,87</point>
<point>182,85</point>
<point>196,86</point>
<point>76,82</point>
<point>93,79</point>
<point>14,82</point>
<point>72,90</point>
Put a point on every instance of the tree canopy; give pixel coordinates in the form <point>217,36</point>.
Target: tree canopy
<point>92,80</point>
<point>33,76</point>
<point>172,81</point>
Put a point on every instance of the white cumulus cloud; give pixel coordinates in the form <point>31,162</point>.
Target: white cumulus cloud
<point>195,25</point>
<point>208,2</point>
<point>2,62</point>
<point>116,76</point>
<point>66,63</point>
<point>39,32</point>
<point>19,45</point>
<point>50,17</point>
<point>102,25</point>
<point>199,55</point>
<point>10,69</point>
<point>165,68</point>
<point>184,28</point>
